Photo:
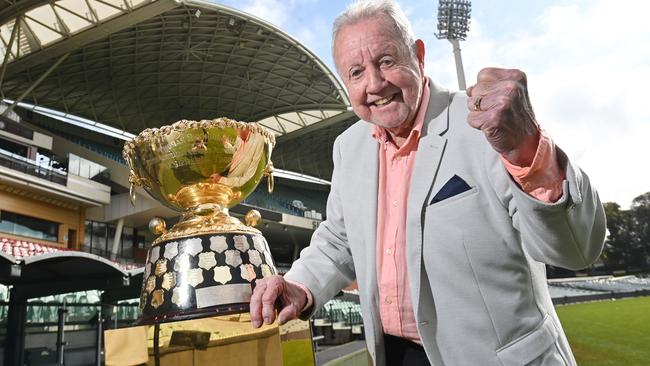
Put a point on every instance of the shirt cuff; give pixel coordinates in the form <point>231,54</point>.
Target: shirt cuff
<point>310,297</point>
<point>543,178</point>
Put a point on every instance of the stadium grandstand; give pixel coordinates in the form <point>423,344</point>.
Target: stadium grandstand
<point>78,79</point>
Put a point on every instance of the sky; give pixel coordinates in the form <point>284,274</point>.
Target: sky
<point>587,64</point>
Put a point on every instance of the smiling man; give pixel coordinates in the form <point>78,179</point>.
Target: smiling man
<point>445,207</point>
<point>385,82</point>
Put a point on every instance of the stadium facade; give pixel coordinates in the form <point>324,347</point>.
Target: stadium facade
<point>79,78</point>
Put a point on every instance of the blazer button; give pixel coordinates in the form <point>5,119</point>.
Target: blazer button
<point>424,323</point>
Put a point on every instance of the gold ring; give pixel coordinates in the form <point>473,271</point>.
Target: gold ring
<point>477,104</point>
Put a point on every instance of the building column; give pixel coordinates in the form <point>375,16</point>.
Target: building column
<point>117,238</point>
<point>81,231</point>
<point>296,252</point>
<point>16,320</point>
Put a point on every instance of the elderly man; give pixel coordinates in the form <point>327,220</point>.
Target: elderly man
<point>444,207</point>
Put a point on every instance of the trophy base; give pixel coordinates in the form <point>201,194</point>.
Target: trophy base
<point>220,340</point>
<point>194,314</point>
<point>203,275</point>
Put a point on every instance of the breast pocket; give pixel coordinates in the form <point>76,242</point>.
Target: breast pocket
<point>445,223</point>
<point>454,199</point>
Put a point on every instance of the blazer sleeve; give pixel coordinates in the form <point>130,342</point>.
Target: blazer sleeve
<point>325,266</point>
<point>569,233</point>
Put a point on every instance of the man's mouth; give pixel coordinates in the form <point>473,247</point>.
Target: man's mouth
<point>384,100</point>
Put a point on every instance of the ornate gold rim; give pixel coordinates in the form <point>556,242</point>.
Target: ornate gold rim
<point>196,231</point>
<point>184,124</point>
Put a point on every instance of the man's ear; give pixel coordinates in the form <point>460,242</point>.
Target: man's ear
<point>419,53</point>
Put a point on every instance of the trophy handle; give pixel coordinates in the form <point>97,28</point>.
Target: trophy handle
<point>132,194</point>
<point>268,173</point>
<point>134,181</point>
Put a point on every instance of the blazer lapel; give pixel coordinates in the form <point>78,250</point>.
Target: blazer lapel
<point>365,187</point>
<point>431,149</point>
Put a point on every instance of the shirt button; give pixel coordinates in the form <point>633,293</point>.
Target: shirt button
<point>394,203</point>
<point>398,158</point>
<point>388,300</point>
<point>389,251</point>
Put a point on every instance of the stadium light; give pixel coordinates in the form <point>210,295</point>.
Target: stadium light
<point>453,25</point>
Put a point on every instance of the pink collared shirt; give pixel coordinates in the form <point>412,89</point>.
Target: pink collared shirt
<point>542,180</point>
<point>395,170</point>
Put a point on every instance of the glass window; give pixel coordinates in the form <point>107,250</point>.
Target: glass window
<point>28,226</point>
<point>83,167</point>
<point>88,239</point>
<point>138,239</point>
<point>99,238</point>
<point>127,242</point>
<point>111,239</point>
<point>13,147</point>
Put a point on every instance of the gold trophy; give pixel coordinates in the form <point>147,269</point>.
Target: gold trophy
<point>208,262</point>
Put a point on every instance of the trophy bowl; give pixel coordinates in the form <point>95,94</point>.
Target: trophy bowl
<point>208,262</point>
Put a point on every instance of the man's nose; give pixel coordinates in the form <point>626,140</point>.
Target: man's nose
<point>376,81</point>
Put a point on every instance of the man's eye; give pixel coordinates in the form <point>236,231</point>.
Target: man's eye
<point>386,62</point>
<point>355,73</point>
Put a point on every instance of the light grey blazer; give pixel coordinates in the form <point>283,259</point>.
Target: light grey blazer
<point>474,260</point>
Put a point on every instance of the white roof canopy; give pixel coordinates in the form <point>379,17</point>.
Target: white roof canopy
<point>133,64</point>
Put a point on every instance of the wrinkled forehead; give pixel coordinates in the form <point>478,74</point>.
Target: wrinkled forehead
<point>364,23</point>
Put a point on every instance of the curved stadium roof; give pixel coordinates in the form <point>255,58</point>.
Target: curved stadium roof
<point>134,64</point>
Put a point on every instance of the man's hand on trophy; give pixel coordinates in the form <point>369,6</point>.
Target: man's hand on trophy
<point>275,293</point>
<point>499,106</point>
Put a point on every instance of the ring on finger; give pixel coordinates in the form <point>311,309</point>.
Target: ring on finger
<point>477,104</point>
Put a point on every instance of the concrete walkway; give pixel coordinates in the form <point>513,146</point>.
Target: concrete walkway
<point>332,353</point>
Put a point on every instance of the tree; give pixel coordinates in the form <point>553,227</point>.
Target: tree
<point>627,246</point>
<point>616,254</point>
<point>640,211</point>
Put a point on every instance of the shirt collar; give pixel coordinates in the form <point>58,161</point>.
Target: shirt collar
<point>380,134</point>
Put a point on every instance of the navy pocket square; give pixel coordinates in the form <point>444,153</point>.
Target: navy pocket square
<point>455,185</point>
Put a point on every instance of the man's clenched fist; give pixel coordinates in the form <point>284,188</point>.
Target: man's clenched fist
<point>499,106</point>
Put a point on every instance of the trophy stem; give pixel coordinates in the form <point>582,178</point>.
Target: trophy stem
<point>197,195</point>
<point>207,214</point>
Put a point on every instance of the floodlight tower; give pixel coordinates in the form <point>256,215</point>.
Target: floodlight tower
<point>453,25</point>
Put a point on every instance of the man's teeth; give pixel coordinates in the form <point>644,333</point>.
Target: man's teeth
<point>383,101</point>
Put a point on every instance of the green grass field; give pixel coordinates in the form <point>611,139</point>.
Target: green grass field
<point>607,333</point>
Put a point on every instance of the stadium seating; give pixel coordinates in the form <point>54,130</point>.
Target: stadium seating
<point>94,147</point>
<point>21,248</point>
<point>339,320</point>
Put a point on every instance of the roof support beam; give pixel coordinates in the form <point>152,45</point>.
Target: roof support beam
<point>36,83</point>
<point>93,34</point>
<point>14,34</point>
<point>18,7</point>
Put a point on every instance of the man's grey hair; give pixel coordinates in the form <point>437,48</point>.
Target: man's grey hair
<point>363,9</point>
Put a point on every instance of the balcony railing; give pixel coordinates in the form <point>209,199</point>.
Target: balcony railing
<point>27,166</point>
<point>127,262</point>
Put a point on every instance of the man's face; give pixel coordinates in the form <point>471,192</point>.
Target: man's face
<point>383,79</point>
